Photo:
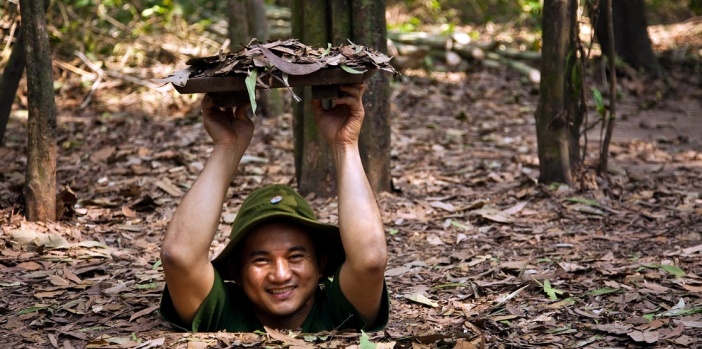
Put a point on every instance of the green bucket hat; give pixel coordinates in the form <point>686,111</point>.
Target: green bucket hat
<point>281,202</point>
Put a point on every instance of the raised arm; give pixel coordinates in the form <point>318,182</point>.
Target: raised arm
<point>185,250</point>
<point>362,274</point>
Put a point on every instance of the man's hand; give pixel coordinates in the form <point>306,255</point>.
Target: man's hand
<point>226,126</point>
<point>341,125</point>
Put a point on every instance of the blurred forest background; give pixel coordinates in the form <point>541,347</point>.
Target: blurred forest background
<point>142,39</point>
<point>138,40</point>
<point>482,254</point>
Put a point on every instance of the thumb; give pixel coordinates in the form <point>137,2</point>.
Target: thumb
<point>240,112</point>
<point>317,108</point>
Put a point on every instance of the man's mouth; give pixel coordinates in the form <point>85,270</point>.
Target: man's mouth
<point>278,291</point>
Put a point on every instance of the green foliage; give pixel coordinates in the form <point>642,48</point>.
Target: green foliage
<point>550,291</point>
<point>670,269</point>
<point>350,70</point>
<point>426,12</point>
<point>696,7</point>
<point>531,10</point>
<point>450,13</point>
<point>408,26</point>
<point>250,82</point>
<point>599,102</point>
<point>112,27</point>
<point>667,12</point>
<point>365,342</point>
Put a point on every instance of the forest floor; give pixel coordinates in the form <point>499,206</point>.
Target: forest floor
<point>481,254</point>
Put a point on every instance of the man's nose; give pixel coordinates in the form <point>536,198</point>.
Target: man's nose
<point>281,271</point>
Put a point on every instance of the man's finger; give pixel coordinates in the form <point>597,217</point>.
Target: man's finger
<point>317,107</point>
<point>206,102</point>
<point>354,90</point>
<point>350,101</point>
<point>240,111</point>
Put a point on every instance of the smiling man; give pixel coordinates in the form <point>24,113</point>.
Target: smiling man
<point>282,268</point>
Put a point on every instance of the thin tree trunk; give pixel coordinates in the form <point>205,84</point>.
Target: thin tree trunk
<point>40,186</point>
<point>10,81</point>
<point>552,130</point>
<point>604,151</point>
<point>575,101</point>
<point>369,29</point>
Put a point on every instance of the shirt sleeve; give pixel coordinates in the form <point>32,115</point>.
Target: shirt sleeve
<point>216,313</point>
<point>345,316</point>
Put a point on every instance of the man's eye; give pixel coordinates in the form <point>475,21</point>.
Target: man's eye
<point>297,256</point>
<point>260,261</point>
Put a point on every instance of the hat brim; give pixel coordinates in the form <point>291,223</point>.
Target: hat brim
<point>327,235</point>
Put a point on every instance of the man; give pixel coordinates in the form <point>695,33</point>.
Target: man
<point>278,254</point>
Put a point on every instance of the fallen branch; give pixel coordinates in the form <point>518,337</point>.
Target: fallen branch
<point>411,50</point>
<point>532,73</point>
<point>439,42</point>
<point>79,71</point>
<point>115,74</point>
<point>97,81</point>
<point>518,54</point>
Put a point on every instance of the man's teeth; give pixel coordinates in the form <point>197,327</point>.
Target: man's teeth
<point>282,290</point>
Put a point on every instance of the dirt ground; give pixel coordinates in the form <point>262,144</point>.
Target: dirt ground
<point>481,254</point>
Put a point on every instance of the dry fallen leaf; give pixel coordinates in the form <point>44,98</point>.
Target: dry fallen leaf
<point>422,299</point>
<point>169,188</point>
<point>443,205</point>
<point>397,271</point>
<point>494,215</point>
<point>646,336</point>
<point>143,312</point>
<point>464,344</point>
<point>32,240</point>
<point>58,281</point>
<point>434,239</point>
<point>277,335</point>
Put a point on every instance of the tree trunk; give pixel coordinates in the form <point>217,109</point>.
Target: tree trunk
<point>258,22</point>
<point>314,165</point>
<point>557,110</point>
<point>238,29</point>
<point>40,186</point>
<point>247,20</point>
<point>337,21</point>
<point>10,81</point>
<point>369,29</point>
<point>631,41</point>
<point>341,30</point>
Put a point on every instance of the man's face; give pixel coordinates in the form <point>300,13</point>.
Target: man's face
<point>280,273</point>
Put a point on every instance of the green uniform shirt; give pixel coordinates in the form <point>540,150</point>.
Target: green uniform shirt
<point>227,308</point>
